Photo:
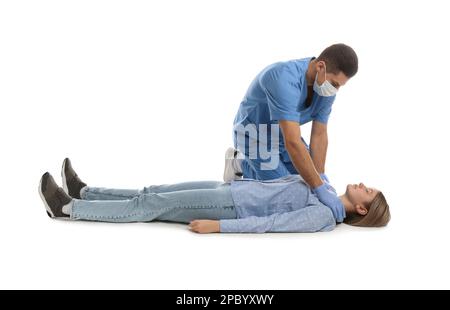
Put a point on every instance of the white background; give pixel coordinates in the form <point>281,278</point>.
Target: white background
<point>145,92</point>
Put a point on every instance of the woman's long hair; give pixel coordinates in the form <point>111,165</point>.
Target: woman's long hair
<point>378,214</point>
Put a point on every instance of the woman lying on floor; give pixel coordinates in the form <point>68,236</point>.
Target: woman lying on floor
<point>282,205</point>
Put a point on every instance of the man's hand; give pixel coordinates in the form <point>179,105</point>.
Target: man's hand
<point>204,226</point>
<point>324,178</point>
<point>331,200</point>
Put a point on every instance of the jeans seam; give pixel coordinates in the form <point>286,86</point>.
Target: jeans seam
<point>191,207</point>
<point>106,217</point>
<point>114,195</point>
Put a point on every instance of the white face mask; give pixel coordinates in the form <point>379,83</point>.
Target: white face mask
<point>326,89</point>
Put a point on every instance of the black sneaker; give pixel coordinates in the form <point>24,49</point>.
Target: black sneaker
<point>53,196</point>
<point>72,184</point>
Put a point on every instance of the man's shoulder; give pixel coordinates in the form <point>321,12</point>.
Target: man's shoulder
<point>288,63</point>
<point>287,69</point>
<point>299,63</point>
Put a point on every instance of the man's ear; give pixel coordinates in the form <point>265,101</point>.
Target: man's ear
<point>360,209</point>
<point>320,64</point>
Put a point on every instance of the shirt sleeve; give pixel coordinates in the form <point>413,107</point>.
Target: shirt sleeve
<point>309,219</point>
<point>282,90</point>
<point>324,113</point>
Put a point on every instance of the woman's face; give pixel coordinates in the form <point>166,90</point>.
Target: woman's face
<point>359,194</point>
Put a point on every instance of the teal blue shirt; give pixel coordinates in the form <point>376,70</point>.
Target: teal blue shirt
<point>277,93</point>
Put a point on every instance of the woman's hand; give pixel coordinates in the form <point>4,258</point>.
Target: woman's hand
<point>204,226</point>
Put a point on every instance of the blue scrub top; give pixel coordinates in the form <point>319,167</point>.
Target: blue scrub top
<point>279,92</point>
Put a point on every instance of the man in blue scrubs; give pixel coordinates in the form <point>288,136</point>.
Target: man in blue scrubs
<point>282,97</point>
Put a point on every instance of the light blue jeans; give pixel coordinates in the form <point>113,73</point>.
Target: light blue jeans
<point>182,202</point>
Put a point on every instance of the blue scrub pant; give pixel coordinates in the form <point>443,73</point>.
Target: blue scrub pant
<point>251,168</point>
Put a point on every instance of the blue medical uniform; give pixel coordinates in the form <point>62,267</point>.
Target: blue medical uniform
<point>278,92</point>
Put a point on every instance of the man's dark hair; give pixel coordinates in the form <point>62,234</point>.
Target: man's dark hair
<point>340,58</point>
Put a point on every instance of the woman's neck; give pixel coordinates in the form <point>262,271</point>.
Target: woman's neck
<point>349,208</point>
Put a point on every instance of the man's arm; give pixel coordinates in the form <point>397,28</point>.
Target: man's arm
<point>319,145</point>
<point>299,154</point>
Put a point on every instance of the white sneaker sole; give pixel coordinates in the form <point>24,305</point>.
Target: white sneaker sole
<point>63,176</point>
<point>229,173</point>
<point>47,207</point>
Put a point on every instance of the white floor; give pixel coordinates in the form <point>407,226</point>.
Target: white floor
<point>38,252</point>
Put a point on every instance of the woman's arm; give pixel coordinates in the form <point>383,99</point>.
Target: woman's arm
<point>310,219</point>
<point>204,226</point>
